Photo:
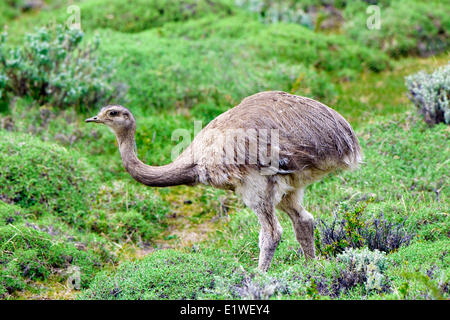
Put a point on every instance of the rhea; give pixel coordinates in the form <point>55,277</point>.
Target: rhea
<point>304,140</point>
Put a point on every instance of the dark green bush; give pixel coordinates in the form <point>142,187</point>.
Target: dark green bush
<point>163,274</point>
<point>11,279</point>
<point>29,254</point>
<point>53,68</point>
<point>45,178</point>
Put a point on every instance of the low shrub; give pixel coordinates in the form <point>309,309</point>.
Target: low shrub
<point>431,94</point>
<point>354,271</point>
<point>143,15</point>
<point>386,236</point>
<point>368,265</point>
<point>331,53</point>
<point>247,285</point>
<point>54,209</point>
<point>10,214</point>
<point>407,27</point>
<point>287,43</point>
<point>358,271</point>
<point>29,254</point>
<point>125,212</point>
<point>273,11</point>
<point>52,67</point>
<point>353,232</point>
<point>163,274</point>
<point>44,177</point>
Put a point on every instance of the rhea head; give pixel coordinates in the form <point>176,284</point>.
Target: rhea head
<point>118,118</point>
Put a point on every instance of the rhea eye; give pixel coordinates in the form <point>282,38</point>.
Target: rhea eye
<point>113,113</point>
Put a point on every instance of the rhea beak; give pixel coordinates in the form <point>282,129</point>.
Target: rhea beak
<point>94,119</point>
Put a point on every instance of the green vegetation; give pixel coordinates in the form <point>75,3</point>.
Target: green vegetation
<point>28,253</point>
<point>55,214</point>
<point>165,274</point>
<point>144,15</point>
<point>35,178</point>
<point>408,27</point>
<point>378,234</point>
<point>51,68</point>
<point>72,220</point>
<point>431,94</point>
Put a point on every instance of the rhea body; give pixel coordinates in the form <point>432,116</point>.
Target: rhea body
<point>312,140</point>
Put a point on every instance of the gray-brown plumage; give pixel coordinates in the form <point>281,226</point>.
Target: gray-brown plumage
<point>237,150</point>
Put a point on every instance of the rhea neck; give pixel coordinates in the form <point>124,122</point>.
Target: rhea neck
<point>175,173</point>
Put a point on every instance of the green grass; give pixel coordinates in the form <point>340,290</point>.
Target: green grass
<point>164,274</point>
<point>55,214</point>
<point>408,27</point>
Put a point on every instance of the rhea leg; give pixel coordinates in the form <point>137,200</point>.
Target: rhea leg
<point>260,194</point>
<point>269,235</point>
<point>302,221</point>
